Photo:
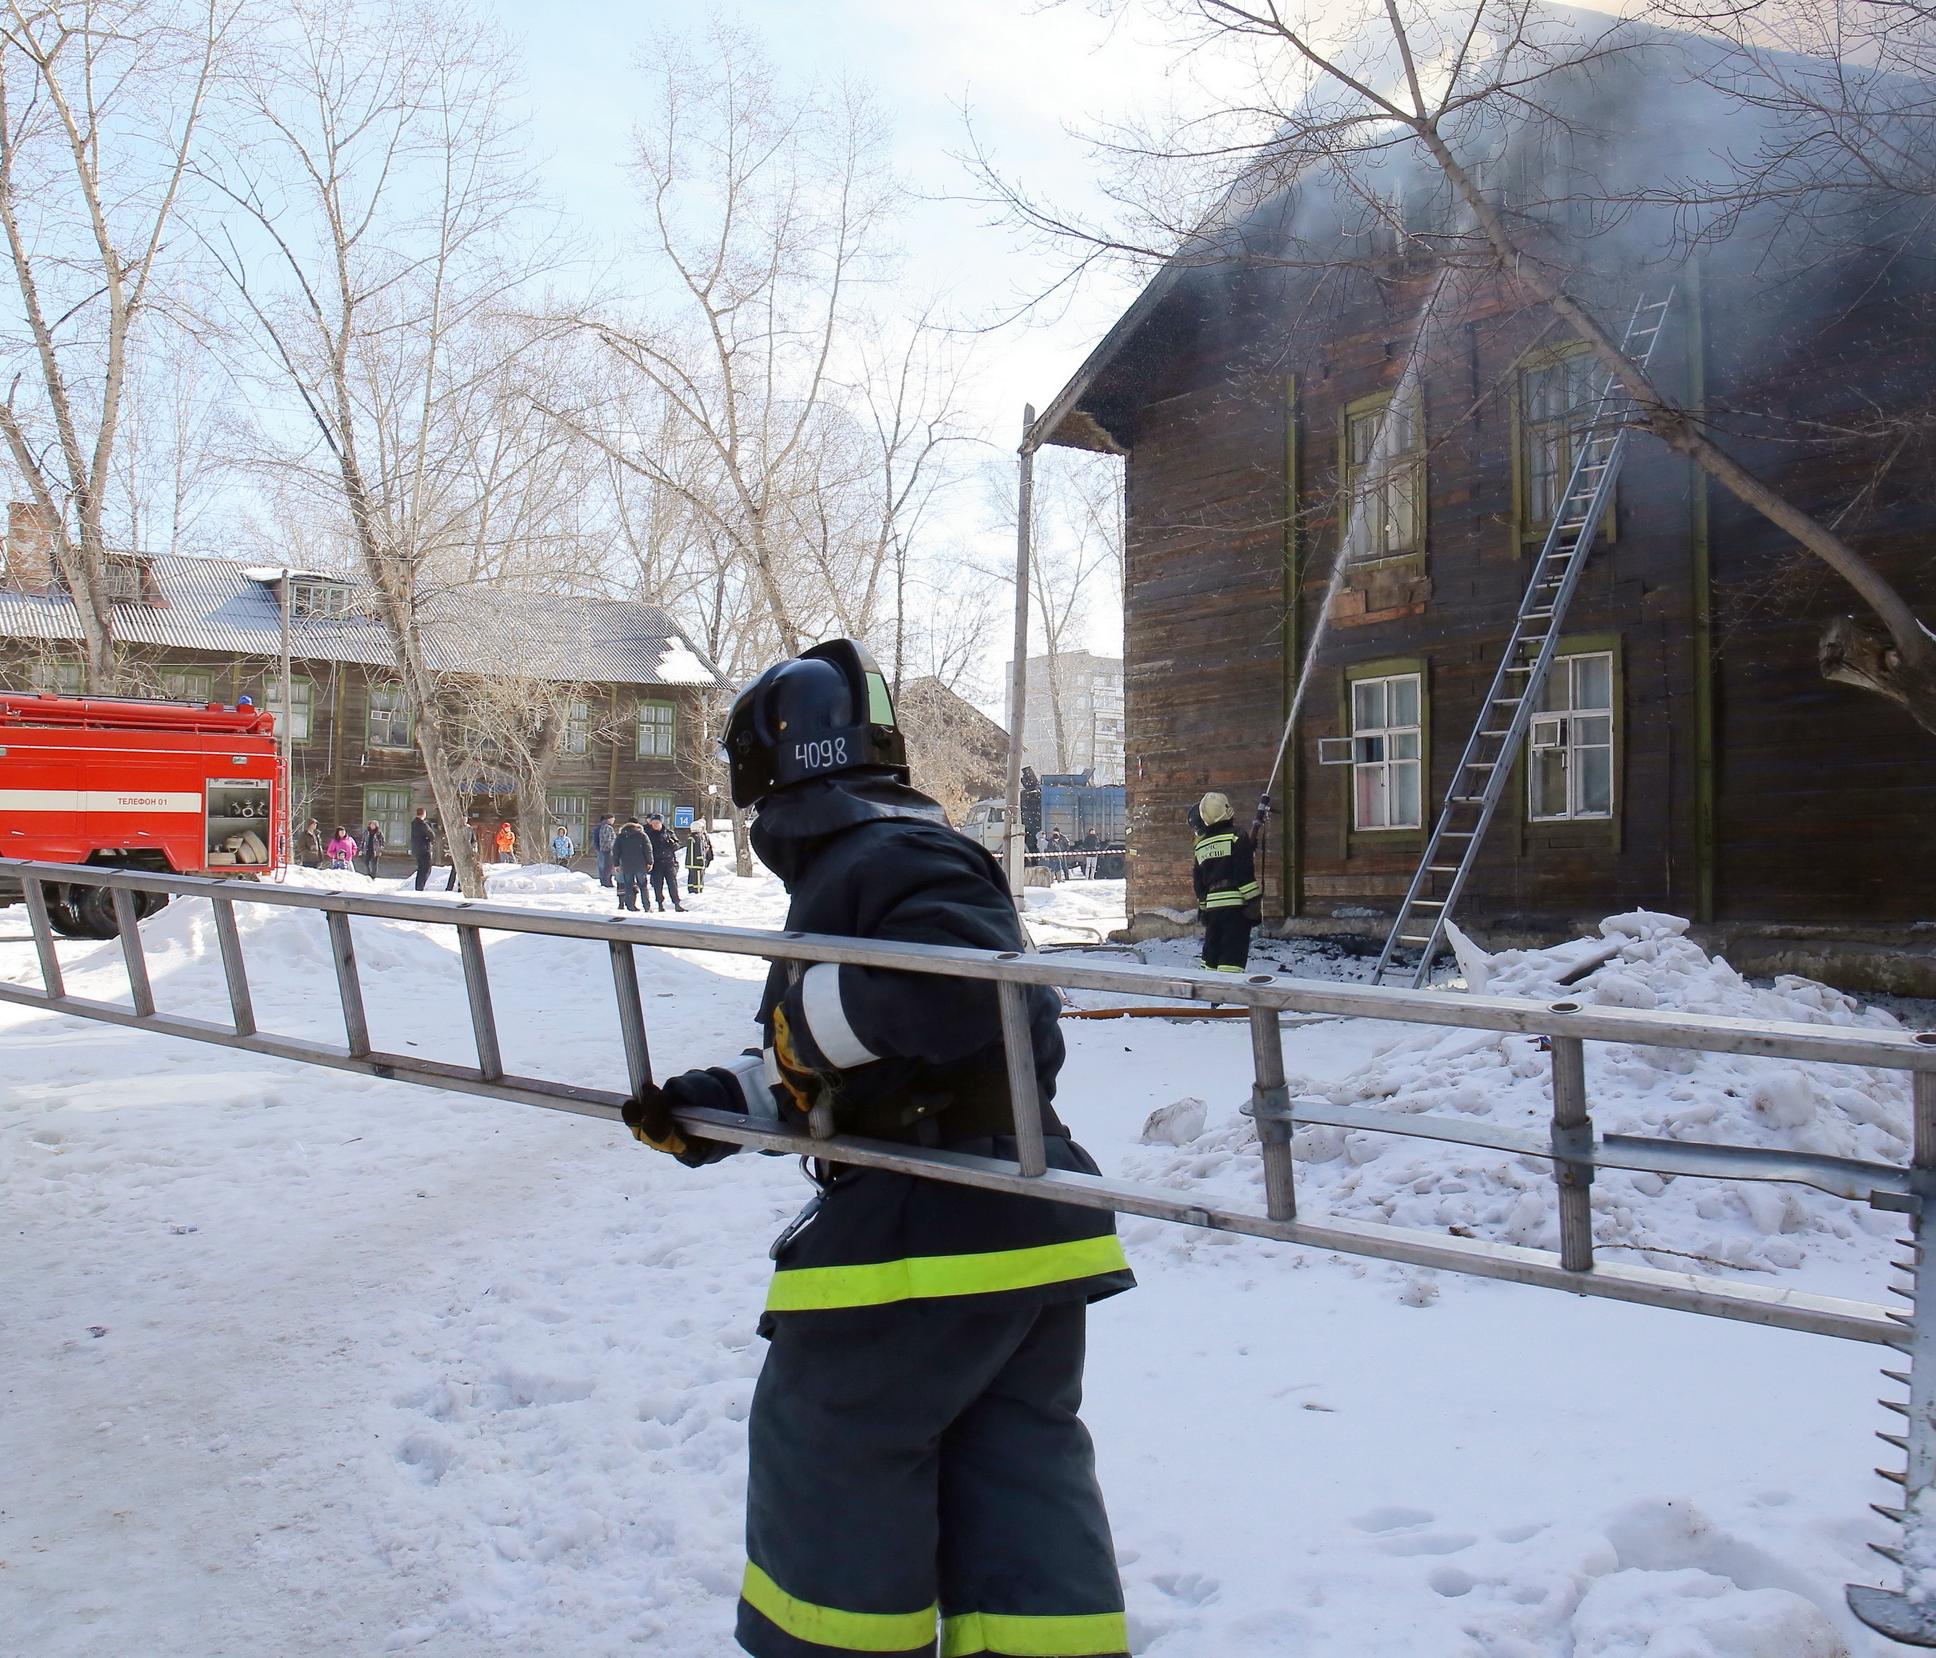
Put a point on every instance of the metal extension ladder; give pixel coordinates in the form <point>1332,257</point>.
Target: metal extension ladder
<point>1479,782</point>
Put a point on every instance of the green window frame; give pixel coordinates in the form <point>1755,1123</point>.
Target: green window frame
<point>187,685</point>
<point>658,731</point>
<point>1553,399</point>
<point>387,724</point>
<point>64,675</point>
<point>389,805</point>
<point>1381,462</point>
<point>578,728</point>
<point>300,721</point>
<point>647,801</point>
<point>571,810</point>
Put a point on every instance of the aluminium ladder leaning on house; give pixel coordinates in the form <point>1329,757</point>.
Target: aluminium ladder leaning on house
<point>1484,770</point>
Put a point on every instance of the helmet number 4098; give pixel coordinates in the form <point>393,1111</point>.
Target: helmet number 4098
<point>828,751</point>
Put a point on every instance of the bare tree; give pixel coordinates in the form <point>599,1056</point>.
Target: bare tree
<point>767,211</point>
<point>101,107</point>
<point>380,185</point>
<point>1076,556</point>
<point>1340,104</point>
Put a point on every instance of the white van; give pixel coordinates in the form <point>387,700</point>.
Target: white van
<point>987,824</point>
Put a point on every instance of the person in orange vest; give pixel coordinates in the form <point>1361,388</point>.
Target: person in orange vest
<point>507,844</point>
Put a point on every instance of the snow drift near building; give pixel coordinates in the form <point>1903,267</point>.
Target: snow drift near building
<point>1641,960</point>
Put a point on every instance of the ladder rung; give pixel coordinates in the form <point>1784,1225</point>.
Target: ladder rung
<point>1495,733</point>
<point>1465,800</point>
<point>1508,702</point>
<point>1519,668</point>
<point>1442,869</point>
<point>1428,903</point>
<point>1535,615</point>
<point>1481,765</point>
<point>1414,938</point>
<point>1455,834</point>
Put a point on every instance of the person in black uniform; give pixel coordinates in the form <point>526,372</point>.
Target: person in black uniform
<point>665,861</point>
<point>1229,898</point>
<point>916,1457</point>
<point>420,839</point>
<point>632,855</point>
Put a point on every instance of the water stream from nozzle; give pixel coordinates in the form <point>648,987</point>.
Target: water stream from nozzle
<point>1353,543</point>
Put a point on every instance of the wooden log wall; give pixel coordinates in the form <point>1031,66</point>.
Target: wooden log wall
<point>1746,787</point>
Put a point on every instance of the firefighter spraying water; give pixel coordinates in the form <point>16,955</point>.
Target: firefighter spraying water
<point>916,1461</point>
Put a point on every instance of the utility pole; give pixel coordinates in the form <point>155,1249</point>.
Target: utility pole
<point>1018,668</point>
<point>287,735</point>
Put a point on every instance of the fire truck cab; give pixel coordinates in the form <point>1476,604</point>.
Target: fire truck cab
<point>165,786</point>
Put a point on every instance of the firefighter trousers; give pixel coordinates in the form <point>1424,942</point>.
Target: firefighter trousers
<point>1226,939</point>
<point>928,1468</point>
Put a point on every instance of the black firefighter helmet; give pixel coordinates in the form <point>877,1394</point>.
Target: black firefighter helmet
<point>823,712</point>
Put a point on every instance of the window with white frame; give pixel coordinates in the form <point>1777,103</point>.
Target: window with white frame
<point>121,580</point>
<point>655,731</point>
<point>578,727</point>
<point>1384,475</point>
<point>389,722</point>
<point>1386,744</point>
<point>299,720</point>
<point>1571,774</point>
<point>1556,401</point>
<point>312,599</point>
<point>187,685</point>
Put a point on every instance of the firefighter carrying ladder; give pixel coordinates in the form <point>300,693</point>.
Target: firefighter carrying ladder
<point>1479,782</point>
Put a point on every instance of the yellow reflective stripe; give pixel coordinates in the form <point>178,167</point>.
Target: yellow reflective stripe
<point>1214,846</point>
<point>1092,1635</point>
<point>1228,897</point>
<point>829,1627</point>
<point>922,1277</point>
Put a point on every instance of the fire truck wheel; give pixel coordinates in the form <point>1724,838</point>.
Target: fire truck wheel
<point>96,911</point>
<point>63,920</point>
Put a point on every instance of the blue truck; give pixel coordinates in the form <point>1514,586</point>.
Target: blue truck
<point>1071,803</point>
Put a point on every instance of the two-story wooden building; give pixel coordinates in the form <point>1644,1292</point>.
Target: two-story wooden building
<point>207,630</point>
<point>1699,763</point>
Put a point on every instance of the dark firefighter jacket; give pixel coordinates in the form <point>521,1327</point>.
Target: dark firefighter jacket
<point>915,1058</point>
<point>1226,872</point>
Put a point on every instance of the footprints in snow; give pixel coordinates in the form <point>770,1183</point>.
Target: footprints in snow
<point>1400,1531</point>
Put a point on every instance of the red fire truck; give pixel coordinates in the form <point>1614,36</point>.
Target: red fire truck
<point>164,786</point>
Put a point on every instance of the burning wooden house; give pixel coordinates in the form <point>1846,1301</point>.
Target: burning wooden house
<point>1351,471</point>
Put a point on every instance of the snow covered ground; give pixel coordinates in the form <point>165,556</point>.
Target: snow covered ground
<point>298,1363</point>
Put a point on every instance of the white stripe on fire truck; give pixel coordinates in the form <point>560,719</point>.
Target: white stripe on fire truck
<point>95,800</point>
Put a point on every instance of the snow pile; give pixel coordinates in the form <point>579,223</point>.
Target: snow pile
<point>1642,960</point>
<point>525,880</point>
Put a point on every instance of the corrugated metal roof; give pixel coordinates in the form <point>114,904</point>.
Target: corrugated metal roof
<point>231,609</point>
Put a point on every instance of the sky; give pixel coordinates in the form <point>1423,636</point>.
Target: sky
<point>1028,73</point>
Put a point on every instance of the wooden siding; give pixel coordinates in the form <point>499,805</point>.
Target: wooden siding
<point>1814,789</point>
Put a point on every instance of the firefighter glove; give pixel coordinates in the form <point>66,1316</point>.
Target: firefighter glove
<point>648,1114</point>
<point>799,1082</point>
